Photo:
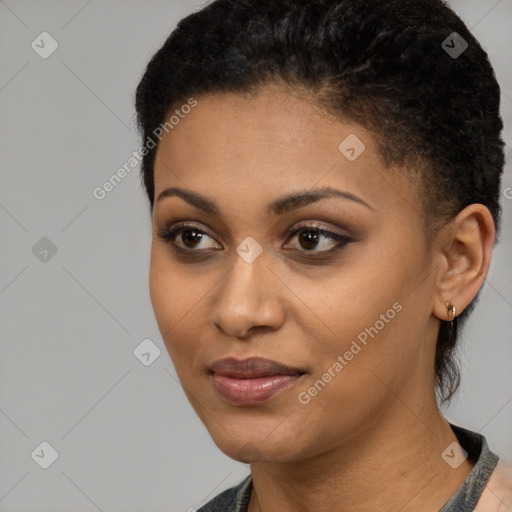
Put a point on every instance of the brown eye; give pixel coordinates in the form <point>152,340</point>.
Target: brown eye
<point>190,237</point>
<point>311,236</point>
<point>309,239</point>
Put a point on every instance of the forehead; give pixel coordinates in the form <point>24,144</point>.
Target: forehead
<point>250,148</point>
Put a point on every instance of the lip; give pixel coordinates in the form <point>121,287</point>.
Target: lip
<point>254,380</point>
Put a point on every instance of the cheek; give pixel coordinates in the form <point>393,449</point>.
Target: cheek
<point>162,296</point>
<point>173,301</point>
<point>371,312</point>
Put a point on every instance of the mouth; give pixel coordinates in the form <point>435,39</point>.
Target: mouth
<point>251,381</point>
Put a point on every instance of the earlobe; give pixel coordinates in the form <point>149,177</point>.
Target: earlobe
<point>465,248</point>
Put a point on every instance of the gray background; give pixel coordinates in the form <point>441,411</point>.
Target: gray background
<point>125,434</point>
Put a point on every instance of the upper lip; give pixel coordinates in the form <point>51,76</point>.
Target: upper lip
<point>252,367</point>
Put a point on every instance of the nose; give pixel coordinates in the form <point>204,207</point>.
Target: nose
<point>248,299</point>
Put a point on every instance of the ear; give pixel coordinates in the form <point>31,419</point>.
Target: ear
<point>464,254</point>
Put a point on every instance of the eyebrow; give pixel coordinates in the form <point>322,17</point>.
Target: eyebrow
<point>279,206</point>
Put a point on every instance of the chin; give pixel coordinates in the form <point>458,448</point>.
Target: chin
<point>249,449</point>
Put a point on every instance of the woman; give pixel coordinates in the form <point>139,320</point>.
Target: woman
<point>324,181</point>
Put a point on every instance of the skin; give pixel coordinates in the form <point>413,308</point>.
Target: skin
<point>372,438</point>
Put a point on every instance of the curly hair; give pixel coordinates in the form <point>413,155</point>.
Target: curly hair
<point>380,63</point>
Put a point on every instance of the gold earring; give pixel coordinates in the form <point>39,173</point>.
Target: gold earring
<point>451,309</point>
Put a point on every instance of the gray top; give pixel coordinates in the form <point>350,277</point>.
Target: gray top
<point>464,499</point>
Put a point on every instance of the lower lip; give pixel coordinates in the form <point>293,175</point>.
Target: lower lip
<point>252,391</point>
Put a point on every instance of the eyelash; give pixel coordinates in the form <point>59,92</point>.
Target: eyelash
<point>169,236</point>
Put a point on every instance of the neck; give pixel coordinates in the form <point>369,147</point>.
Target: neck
<point>394,464</point>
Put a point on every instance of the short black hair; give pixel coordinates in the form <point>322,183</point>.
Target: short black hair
<point>389,65</point>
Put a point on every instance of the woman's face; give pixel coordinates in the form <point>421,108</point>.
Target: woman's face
<point>250,276</point>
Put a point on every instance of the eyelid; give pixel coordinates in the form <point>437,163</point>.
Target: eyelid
<point>169,235</point>
<point>312,225</point>
<point>175,229</point>
<point>337,239</point>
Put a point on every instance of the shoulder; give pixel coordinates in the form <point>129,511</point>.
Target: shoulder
<point>234,499</point>
<point>497,494</point>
